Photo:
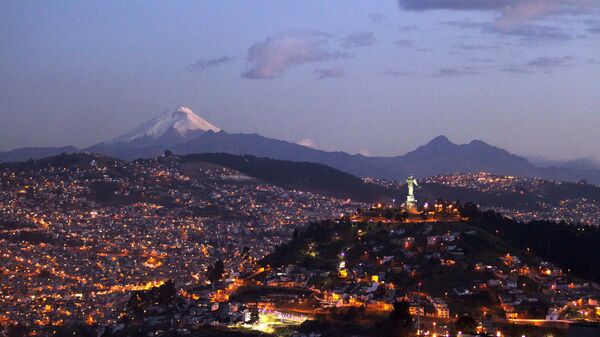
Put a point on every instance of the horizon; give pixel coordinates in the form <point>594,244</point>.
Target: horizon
<point>538,161</point>
<point>387,77</point>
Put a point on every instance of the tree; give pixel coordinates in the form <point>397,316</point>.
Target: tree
<point>399,323</point>
<point>166,292</point>
<point>245,251</point>
<point>466,324</point>
<point>469,210</point>
<point>17,330</point>
<point>401,216</point>
<point>215,272</point>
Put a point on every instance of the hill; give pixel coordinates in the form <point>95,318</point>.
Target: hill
<point>485,267</point>
<point>304,176</point>
<point>27,153</point>
<point>522,194</point>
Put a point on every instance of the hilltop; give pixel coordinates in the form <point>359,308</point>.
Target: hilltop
<point>489,267</point>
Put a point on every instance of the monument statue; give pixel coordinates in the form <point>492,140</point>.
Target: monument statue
<point>411,202</point>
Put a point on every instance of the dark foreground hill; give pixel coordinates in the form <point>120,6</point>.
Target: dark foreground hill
<point>304,176</point>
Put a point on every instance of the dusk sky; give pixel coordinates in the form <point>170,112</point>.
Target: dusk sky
<point>376,77</point>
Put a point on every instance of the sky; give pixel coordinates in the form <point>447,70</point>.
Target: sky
<point>371,77</point>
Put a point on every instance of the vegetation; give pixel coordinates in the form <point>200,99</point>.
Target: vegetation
<point>215,272</point>
<point>338,323</point>
<point>570,246</point>
<point>466,324</point>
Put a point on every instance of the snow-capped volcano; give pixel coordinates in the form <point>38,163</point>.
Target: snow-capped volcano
<point>171,127</point>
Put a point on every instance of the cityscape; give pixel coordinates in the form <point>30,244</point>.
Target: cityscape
<point>392,168</point>
<point>82,232</point>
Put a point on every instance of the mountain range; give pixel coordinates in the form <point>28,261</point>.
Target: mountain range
<point>184,132</point>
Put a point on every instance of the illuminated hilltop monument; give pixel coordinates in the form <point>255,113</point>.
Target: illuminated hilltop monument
<point>411,202</point>
<point>441,210</point>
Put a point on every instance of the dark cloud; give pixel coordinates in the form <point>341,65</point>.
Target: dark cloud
<point>421,5</point>
<point>408,28</point>
<point>359,39</point>
<point>509,10</point>
<point>550,62</point>
<point>203,63</point>
<point>454,72</point>
<point>474,47</point>
<point>378,18</point>
<point>594,27</point>
<point>468,24</point>
<point>519,18</point>
<point>544,64</point>
<point>329,73</point>
<point>525,31</point>
<point>276,54</point>
<point>404,43</point>
<point>516,69</point>
<point>397,73</point>
<point>532,32</point>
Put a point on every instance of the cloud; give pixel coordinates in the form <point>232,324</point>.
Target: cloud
<point>508,10</point>
<point>276,54</point>
<point>359,39</point>
<point>210,63</point>
<point>329,73</point>
<point>525,31</point>
<point>527,19</point>
<point>454,72</point>
<point>594,27</point>
<point>307,142</point>
<point>409,28</point>
<point>378,18</point>
<point>544,64</point>
<point>469,47</point>
<point>531,31</point>
<point>549,63</point>
<point>517,69</point>
<point>404,43</point>
<point>397,73</point>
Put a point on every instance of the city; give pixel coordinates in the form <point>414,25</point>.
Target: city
<point>340,168</point>
<point>82,232</point>
<point>71,254</point>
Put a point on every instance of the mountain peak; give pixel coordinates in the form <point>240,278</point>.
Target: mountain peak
<point>440,140</point>
<point>182,122</point>
<point>479,142</point>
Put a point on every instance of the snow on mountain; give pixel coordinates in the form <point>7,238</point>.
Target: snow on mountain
<point>182,122</point>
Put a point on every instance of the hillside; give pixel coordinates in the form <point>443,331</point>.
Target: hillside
<point>304,176</point>
<point>27,153</point>
<point>478,266</point>
<point>525,195</point>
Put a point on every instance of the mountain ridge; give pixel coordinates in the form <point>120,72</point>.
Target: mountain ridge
<point>183,132</point>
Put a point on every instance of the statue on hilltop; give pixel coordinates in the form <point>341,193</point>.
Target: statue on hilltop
<point>411,202</point>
